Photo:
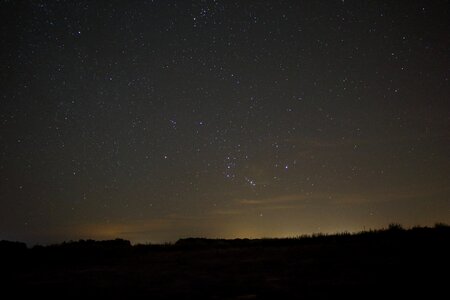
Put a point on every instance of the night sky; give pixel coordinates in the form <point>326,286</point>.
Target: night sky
<point>157,120</point>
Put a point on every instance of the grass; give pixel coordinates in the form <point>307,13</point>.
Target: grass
<point>370,264</point>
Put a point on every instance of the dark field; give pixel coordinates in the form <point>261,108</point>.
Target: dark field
<point>378,264</point>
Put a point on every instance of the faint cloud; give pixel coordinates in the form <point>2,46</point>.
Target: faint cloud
<point>281,199</point>
<point>392,194</point>
<point>227,212</point>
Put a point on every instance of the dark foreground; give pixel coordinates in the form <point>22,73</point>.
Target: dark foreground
<point>379,264</point>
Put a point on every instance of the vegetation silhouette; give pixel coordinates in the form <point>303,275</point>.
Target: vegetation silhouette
<point>393,262</point>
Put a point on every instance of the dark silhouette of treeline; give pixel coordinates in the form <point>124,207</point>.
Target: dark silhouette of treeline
<point>394,231</point>
<point>369,264</point>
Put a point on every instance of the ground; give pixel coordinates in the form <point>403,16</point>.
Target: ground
<point>390,263</point>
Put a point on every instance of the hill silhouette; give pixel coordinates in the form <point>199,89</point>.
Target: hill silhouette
<point>371,264</point>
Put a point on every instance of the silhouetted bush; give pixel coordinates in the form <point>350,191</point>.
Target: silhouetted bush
<point>12,247</point>
<point>395,227</point>
<point>441,226</point>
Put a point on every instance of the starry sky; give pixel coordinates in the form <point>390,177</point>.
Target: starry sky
<point>158,120</point>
